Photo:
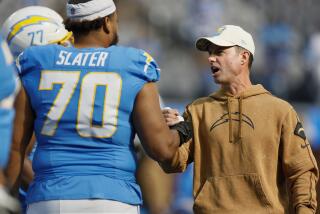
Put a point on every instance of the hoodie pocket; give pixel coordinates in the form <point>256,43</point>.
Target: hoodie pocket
<point>232,194</point>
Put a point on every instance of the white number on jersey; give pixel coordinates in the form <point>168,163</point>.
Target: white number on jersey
<point>89,83</point>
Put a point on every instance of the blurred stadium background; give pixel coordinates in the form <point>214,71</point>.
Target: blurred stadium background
<point>286,33</point>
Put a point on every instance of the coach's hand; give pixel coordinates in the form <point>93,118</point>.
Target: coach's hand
<point>171,116</point>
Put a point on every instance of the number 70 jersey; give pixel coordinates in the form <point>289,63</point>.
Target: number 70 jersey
<point>83,101</point>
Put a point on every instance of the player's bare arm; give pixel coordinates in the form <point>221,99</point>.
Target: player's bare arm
<point>157,139</point>
<point>22,133</point>
<point>27,172</point>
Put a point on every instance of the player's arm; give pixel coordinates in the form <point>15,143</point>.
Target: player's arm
<point>27,174</point>
<point>159,142</point>
<point>27,171</point>
<point>184,155</point>
<point>22,132</point>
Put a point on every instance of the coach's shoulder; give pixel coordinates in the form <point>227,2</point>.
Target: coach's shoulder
<point>278,102</point>
<point>201,101</point>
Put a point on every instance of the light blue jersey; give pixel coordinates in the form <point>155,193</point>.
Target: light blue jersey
<point>7,89</point>
<point>83,100</point>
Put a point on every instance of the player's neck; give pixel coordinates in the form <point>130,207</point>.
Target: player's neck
<point>92,40</point>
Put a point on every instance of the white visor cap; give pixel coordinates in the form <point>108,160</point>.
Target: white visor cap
<point>228,35</point>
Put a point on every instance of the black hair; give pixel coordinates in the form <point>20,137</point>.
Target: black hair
<point>82,28</point>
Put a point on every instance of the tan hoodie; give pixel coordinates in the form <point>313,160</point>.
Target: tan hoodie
<point>249,154</point>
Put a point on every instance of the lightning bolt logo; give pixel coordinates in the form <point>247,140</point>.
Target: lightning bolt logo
<point>148,61</point>
<point>224,119</point>
<point>299,131</point>
<point>30,20</point>
<point>221,29</point>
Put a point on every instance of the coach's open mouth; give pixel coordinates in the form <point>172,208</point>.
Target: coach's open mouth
<point>214,69</point>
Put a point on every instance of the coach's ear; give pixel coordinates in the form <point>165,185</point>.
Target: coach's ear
<point>245,57</point>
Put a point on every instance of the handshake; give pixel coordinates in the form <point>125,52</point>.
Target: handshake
<point>171,116</point>
<point>175,121</point>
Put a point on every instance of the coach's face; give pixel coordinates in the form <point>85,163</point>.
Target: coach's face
<point>224,63</point>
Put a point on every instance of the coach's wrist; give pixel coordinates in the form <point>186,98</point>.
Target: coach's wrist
<point>185,131</point>
<point>304,210</point>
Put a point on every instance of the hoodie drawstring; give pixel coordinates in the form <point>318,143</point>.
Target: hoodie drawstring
<point>230,121</point>
<point>240,118</point>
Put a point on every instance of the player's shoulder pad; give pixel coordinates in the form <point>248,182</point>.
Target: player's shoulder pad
<point>7,74</point>
<point>30,58</point>
<point>149,66</point>
<point>24,60</point>
<point>143,64</point>
<point>6,54</point>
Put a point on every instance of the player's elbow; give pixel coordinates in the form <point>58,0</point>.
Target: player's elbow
<point>164,155</point>
<point>170,167</point>
<point>162,150</point>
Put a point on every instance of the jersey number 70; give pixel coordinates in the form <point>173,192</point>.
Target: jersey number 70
<point>68,81</point>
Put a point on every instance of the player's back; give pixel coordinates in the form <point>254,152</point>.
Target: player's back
<point>83,100</point>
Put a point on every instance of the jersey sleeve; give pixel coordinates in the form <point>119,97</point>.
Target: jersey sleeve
<point>6,123</point>
<point>25,62</point>
<point>146,67</point>
<point>7,91</point>
<point>7,72</point>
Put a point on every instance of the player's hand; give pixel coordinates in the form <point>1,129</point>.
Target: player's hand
<point>8,204</point>
<point>171,116</point>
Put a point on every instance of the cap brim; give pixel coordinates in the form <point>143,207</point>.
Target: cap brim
<point>203,43</point>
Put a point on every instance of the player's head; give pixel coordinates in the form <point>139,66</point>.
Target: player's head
<point>34,25</point>
<point>92,16</point>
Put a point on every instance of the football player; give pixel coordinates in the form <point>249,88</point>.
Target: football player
<point>33,25</point>
<point>85,104</point>
<point>8,87</point>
